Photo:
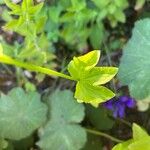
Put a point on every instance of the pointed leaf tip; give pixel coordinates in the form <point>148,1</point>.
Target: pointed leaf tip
<point>138,132</point>
<point>91,58</point>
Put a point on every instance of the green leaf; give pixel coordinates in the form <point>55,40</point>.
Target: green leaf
<point>35,9</point>
<point>77,5</point>
<point>100,75</point>
<point>99,118</point>
<point>141,140</point>
<point>11,25</point>
<point>144,144</point>
<point>89,77</point>
<point>90,59</point>
<point>26,23</point>
<point>123,146</point>
<point>54,13</point>
<point>101,3</point>
<point>62,131</point>
<point>121,3</point>
<point>40,22</point>
<point>12,6</point>
<point>76,113</point>
<point>20,114</point>
<point>119,16</point>
<point>77,66</point>
<point>96,35</point>
<point>26,4</point>
<point>3,144</point>
<point>5,15</point>
<point>138,132</point>
<point>112,8</point>
<point>134,68</point>
<point>67,17</point>
<point>101,15</point>
<point>92,94</point>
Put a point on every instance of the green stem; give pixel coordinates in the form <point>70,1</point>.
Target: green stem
<point>95,132</point>
<point>8,60</point>
<point>7,69</point>
<point>18,77</point>
<point>125,122</point>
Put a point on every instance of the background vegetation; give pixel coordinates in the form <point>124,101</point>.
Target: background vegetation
<point>38,111</point>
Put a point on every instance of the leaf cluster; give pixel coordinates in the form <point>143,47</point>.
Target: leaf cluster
<point>81,20</point>
<point>28,22</point>
<point>22,113</point>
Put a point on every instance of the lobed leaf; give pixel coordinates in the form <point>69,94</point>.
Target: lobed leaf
<point>90,59</point>
<point>89,77</point>
<point>134,69</point>
<point>62,131</point>
<point>20,114</point>
<point>100,75</point>
<point>92,94</point>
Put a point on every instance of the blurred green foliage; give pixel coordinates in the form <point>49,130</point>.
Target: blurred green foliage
<point>81,20</point>
<point>29,23</point>
<point>76,22</point>
<point>79,25</point>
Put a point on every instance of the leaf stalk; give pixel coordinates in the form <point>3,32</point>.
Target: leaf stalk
<point>10,61</point>
<point>95,132</point>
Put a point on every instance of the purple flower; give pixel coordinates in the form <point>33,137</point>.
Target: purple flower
<point>118,106</point>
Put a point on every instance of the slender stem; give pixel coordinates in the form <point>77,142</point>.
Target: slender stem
<point>7,69</point>
<point>125,122</point>
<point>18,73</point>
<point>95,132</point>
<point>8,60</point>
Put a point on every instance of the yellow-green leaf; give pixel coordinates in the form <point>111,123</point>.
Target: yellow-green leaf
<point>92,94</point>
<point>140,140</point>
<point>143,144</point>
<point>100,75</point>
<point>91,58</point>
<point>89,77</point>
<point>123,146</point>
<point>138,132</point>
<point>12,5</point>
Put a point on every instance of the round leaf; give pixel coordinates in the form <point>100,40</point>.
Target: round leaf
<point>134,69</point>
<point>62,131</point>
<point>20,114</point>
